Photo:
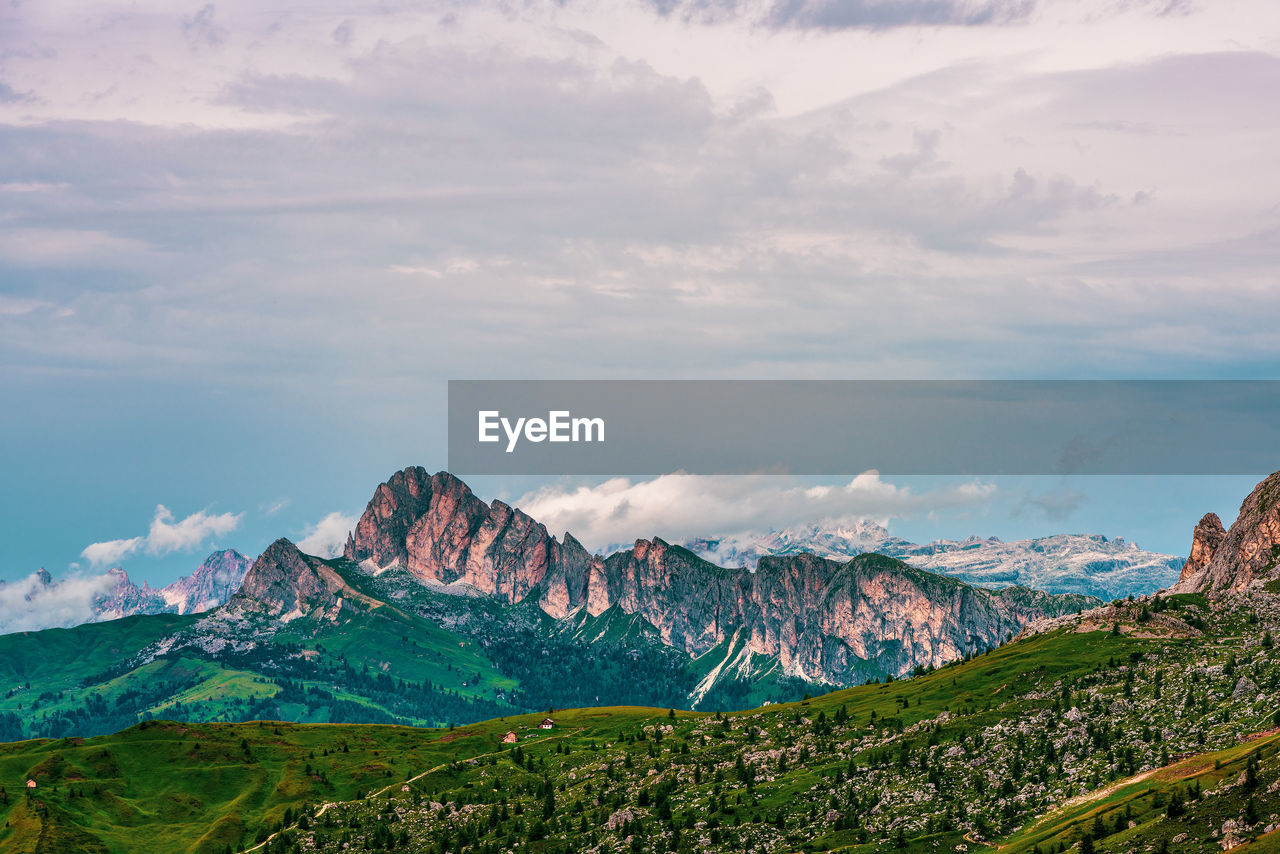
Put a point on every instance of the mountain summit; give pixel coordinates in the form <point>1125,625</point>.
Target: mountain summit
<point>284,582</point>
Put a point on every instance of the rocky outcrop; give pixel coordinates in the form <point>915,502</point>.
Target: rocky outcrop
<point>382,532</point>
<point>1205,540</point>
<point>825,620</point>
<point>1247,552</point>
<point>212,584</point>
<point>1088,564</point>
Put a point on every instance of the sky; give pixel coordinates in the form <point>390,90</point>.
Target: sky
<point>243,248</point>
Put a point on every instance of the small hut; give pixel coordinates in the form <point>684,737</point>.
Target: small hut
<point>509,738</point>
<point>31,784</point>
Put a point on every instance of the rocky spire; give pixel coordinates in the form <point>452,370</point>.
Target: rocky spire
<point>437,529</point>
<point>1205,540</point>
<point>1248,551</point>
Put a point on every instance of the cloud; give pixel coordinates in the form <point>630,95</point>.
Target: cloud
<point>60,247</point>
<point>164,536</point>
<point>111,551</point>
<point>14,307</point>
<point>343,33</point>
<point>328,536</point>
<point>841,14</point>
<point>274,507</point>
<point>679,506</point>
<point>851,14</point>
<point>28,604</point>
<point>1056,505</point>
<point>599,176</point>
<point>9,96</point>
<point>202,30</point>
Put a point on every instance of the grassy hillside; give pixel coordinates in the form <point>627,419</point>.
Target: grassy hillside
<point>378,666</point>
<point>1141,732</point>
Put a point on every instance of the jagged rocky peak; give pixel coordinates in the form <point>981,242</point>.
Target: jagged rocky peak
<point>284,581</point>
<point>1248,551</point>
<point>396,505</point>
<point>437,529</point>
<point>124,598</point>
<point>213,583</point>
<point>1205,540</point>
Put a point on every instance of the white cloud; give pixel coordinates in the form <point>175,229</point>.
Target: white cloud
<point>165,536</point>
<point>111,551</point>
<point>327,537</point>
<point>770,188</point>
<point>678,506</point>
<point>28,605</point>
<point>15,307</point>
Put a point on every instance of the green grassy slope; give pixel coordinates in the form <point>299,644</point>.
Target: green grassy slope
<point>639,766</point>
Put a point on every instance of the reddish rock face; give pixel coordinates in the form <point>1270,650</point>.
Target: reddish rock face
<point>1205,540</point>
<point>821,618</point>
<point>436,528</point>
<point>1249,551</point>
<point>384,527</point>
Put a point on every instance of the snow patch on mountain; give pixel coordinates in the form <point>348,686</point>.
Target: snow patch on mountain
<point>1092,564</point>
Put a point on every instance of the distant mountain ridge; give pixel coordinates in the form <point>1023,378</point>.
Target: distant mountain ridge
<point>212,584</point>
<point>1088,564</point>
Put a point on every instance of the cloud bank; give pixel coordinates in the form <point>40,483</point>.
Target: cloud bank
<point>1089,185</point>
<point>28,604</point>
<point>165,536</point>
<point>679,506</point>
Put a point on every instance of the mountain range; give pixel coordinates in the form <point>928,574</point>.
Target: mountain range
<point>1144,725</point>
<point>821,620</point>
<point>1085,564</point>
<point>1088,564</point>
<point>445,608</point>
